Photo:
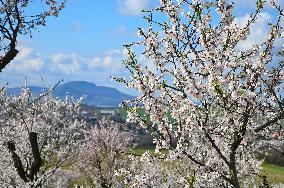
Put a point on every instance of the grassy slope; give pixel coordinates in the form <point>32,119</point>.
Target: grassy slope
<point>275,174</point>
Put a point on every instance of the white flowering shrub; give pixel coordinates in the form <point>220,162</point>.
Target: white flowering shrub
<point>155,171</point>
<point>61,179</point>
<point>103,153</point>
<point>207,99</point>
<point>38,136</point>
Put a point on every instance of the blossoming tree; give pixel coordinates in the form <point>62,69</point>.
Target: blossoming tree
<point>103,153</point>
<point>19,17</point>
<point>38,136</point>
<point>207,99</point>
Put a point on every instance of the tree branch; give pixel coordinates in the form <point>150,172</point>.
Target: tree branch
<point>269,123</point>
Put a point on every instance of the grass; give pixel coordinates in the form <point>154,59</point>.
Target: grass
<point>140,150</point>
<point>142,114</point>
<point>275,174</point>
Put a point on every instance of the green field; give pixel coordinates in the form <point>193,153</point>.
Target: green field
<point>123,112</point>
<point>141,113</point>
<point>274,173</point>
<point>140,151</point>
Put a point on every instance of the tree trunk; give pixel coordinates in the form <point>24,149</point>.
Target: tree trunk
<point>17,161</point>
<point>37,162</point>
<point>9,56</point>
<point>233,170</point>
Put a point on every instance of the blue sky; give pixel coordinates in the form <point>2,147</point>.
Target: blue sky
<point>85,42</point>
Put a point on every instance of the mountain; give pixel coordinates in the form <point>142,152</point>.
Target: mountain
<point>95,95</point>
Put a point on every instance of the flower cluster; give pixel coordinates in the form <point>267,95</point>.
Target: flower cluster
<point>154,170</point>
<point>103,153</point>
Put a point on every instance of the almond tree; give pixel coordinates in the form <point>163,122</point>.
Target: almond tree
<point>38,136</point>
<point>103,153</point>
<point>207,99</point>
<point>21,17</point>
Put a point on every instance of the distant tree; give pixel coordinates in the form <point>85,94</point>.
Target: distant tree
<point>103,153</point>
<point>38,136</point>
<point>21,17</point>
<point>207,99</point>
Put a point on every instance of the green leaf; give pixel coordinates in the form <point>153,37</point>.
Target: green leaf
<point>259,4</point>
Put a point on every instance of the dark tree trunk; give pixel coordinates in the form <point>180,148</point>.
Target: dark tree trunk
<point>17,161</point>
<point>9,56</point>
<point>234,177</point>
<point>37,162</point>
<point>29,174</point>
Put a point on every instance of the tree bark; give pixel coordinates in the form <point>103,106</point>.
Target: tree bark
<point>17,161</point>
<point>37,162</point>
<point>9,56</point>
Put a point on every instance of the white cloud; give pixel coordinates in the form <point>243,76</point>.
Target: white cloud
<point>29,65</point>
<point>65,63</point>
<point>24,53</point>
<point>73,64</point>
<point>132,7</point>
<point>94,63</point>
<point>246,3</point>
<point>96,69</point>
<point>57,58</point>
<point>107,60</point>
<point>27,60</point>
<point>68,69</point>
<point>113,52</point>
<point>258,32</point>
<point>32,64</point>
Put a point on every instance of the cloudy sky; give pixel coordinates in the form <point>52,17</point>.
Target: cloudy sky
<point>85,42</point>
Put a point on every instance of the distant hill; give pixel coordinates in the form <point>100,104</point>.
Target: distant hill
<point>95,95</point>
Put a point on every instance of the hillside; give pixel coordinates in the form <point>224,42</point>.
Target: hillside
<point>95,95</point>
